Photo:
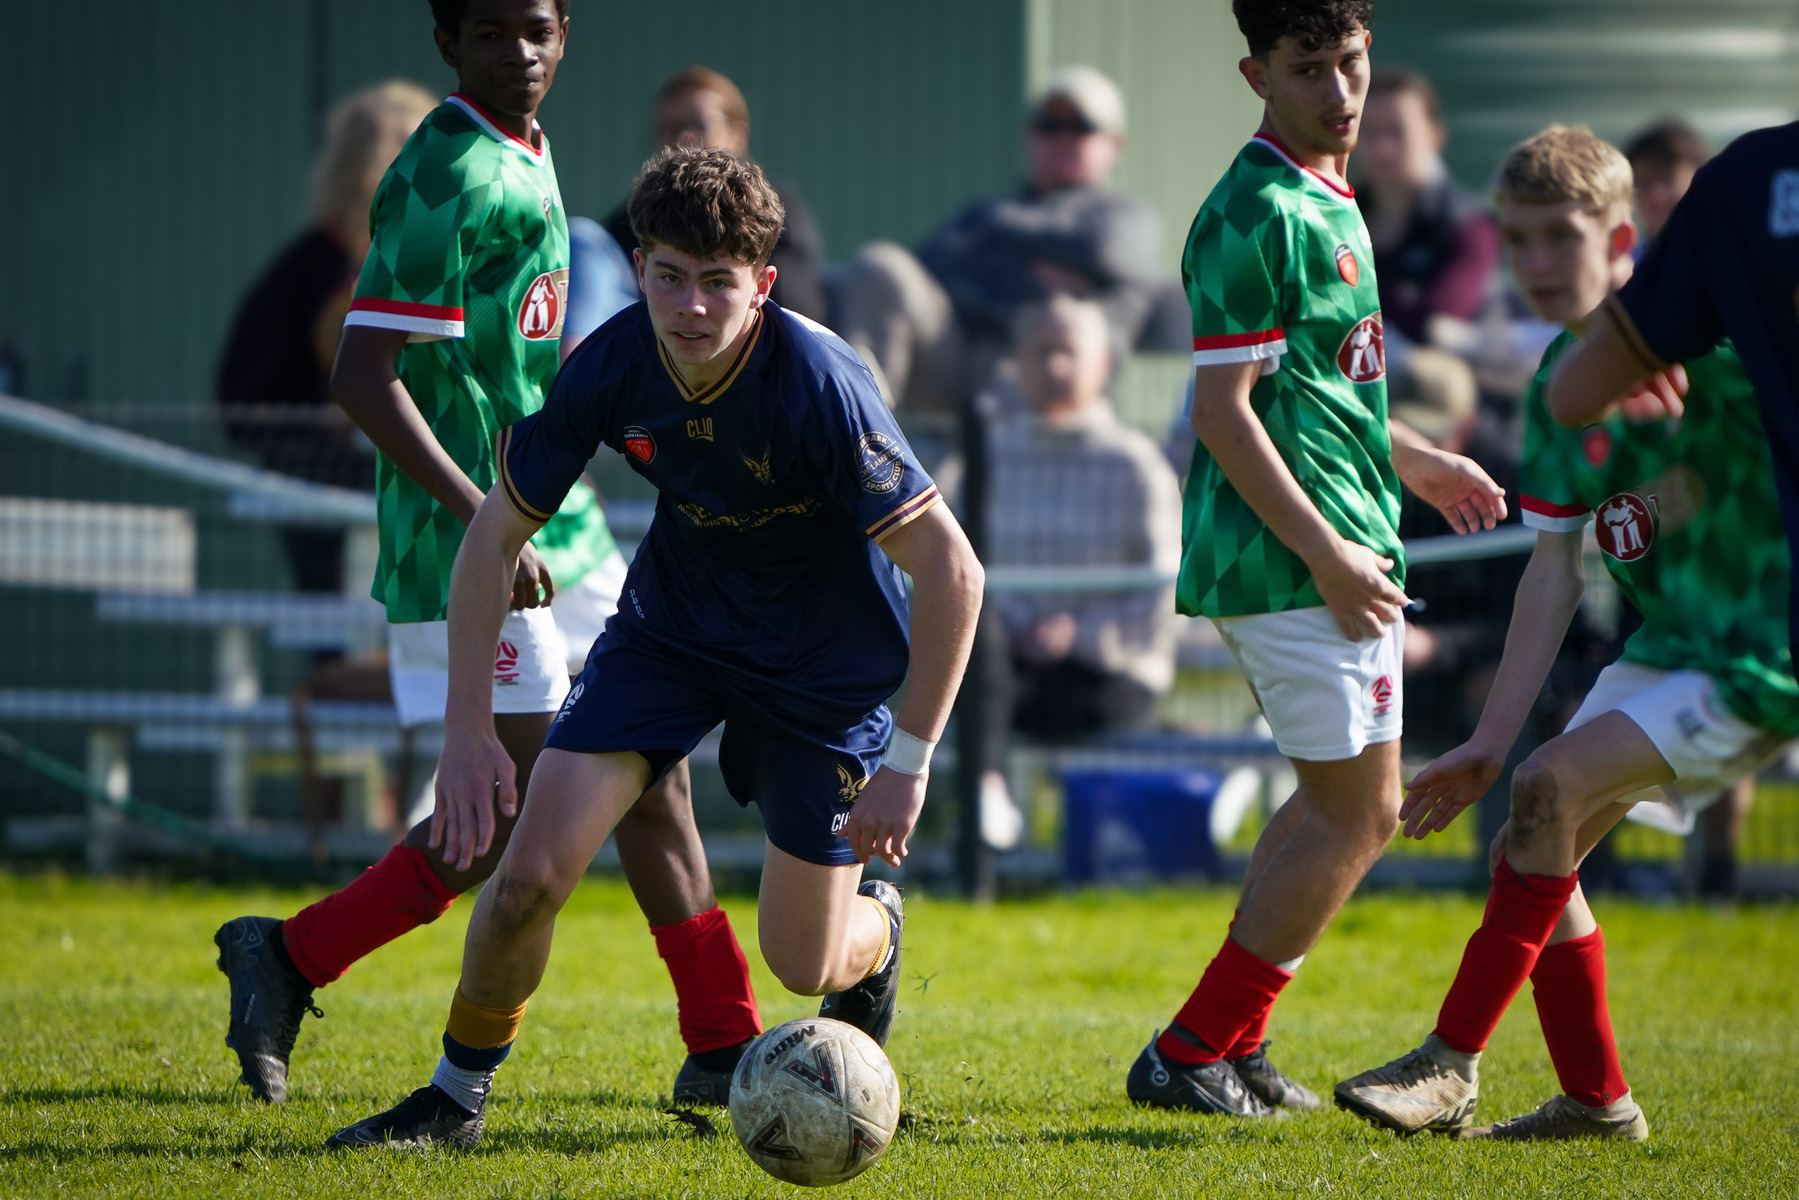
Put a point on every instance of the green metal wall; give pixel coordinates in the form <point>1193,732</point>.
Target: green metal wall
<point>1505,70</point>
<point>162,164</point>
<point>167,160</point>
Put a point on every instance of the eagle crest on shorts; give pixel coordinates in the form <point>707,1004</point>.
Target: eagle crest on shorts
<point>848,788</point>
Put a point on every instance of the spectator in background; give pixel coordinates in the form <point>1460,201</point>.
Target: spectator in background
<point>1436,253</point>
<point>271,383</point>
<point>932,324</point>
<point>1070,486</point>
<point>697,106</point>
<point>1663,160</point>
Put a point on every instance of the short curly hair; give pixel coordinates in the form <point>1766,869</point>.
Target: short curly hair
<point>1315,23</point>
<point>449,13</point>
<point>706,202</point>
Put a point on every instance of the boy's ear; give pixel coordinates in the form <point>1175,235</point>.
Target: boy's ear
<point>1255,71</point>
<point>1623,240</point>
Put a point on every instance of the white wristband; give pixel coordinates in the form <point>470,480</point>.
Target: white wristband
<point>907,754</point>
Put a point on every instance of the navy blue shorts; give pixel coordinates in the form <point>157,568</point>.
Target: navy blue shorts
<point>802,773</point>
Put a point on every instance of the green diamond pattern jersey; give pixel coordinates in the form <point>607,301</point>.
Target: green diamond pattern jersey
<point>1688,525</point>
<point>1279,271</point>
<point>470,258</point>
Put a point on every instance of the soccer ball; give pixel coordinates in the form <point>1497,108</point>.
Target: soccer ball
<point>814,1102</point>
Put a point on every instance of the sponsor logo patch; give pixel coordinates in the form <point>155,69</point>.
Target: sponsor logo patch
<point>1347,266</point>
<point>1363,357</point>
<point>1626,527</point>
<point>568,703</point>
<point>639,444</point>
<point>505,664</point>
<point>1596,445</point>
<point>1783,205</point>
<point>1382,692</point>
<point>882,463</point>
<point>540,312</point>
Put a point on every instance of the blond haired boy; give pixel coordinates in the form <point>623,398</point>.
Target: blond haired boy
<point>1702,695</point>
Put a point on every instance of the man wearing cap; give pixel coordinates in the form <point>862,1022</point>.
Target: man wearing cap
<point>932,323</point>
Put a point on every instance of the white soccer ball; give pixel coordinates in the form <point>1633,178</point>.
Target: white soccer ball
<point>814,1102</point>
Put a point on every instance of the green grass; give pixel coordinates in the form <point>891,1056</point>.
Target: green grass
<point>1016,1027</point>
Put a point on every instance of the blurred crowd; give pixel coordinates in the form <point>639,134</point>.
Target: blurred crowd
<point>1022,309</point>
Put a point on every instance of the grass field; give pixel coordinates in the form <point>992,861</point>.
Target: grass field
<point>1015,1030</point>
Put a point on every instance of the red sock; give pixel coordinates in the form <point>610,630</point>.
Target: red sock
<point>1569,984</point>
<point>1253,1035</point>
<point>1521,914</point>
<point>1234,994</point>
<point>712,981</point>
<point>395,896</point>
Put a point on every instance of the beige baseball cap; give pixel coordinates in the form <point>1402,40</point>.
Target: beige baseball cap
<point>1091,92</point>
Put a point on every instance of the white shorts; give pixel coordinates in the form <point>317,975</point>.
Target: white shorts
<point>581,609</point>
<point>1708,746</point>
<point>530,673</point>
<point>1325,697</point>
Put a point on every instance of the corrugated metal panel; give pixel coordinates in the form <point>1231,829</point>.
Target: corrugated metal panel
<point>169,159</point>
<point>1190,111</point>
<point>1507,70</point>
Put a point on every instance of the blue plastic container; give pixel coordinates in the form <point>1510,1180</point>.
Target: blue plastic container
<point>1123,825</point>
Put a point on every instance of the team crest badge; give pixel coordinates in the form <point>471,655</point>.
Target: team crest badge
<point>848,786</point>
<point>1596,446</point>
<point>1381,692</point>
<point>1347,266</point>
<point>639,444</point>
<point>882,463</point>
<point>540,312</point>
<point>1362,357</point>
<point>1626,527</point>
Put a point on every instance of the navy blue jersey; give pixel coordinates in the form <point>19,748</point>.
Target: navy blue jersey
<point>1727,265</point>
<point>774,485</point>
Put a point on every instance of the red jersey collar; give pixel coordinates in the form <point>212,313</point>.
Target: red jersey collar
<point>1274,143</point>
<point>494,129</point>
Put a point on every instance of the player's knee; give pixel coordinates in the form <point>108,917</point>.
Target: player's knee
<point>800,969</point>
<point>1535,800</point>
<point>526,896</point>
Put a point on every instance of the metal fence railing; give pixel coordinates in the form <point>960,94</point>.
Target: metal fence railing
<point>163,595</point>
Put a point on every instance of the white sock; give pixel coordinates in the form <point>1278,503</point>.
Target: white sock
<point>1465,1065</point>
<point>467,1088</point>
<point>1291,965</point>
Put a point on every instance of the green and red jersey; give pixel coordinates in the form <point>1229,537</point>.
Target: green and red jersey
<point>1279,270</point>
<point>470,258</point>
<point>1688,524</point>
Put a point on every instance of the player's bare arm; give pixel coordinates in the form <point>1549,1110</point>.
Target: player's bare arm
<point>946,601</point>
<point>1454,485</point>
<point>475,774</point>
<point>1605,369</point>
<point>1349,576</point>
<point>366,386</point>
<point>1548,595</point>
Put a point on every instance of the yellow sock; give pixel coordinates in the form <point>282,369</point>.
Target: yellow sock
<point>482,1028</point>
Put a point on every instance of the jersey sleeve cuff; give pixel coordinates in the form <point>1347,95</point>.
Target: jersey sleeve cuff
<point>1266,345</point>
<point>905,514</point>
<point>425,322</point>
<point>1626,327</point>
<point>519,503</point>
<point>1553,518</point>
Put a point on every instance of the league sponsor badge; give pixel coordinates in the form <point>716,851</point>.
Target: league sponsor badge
<point>639,444</point>
<point>1381,691</point>
<point>1625,529</point>
<point>540,312</point>
<point>1362,357</point>
<point>1346,264</point>
<point>882,463</point>
<point>1783,206</point>
<point>505,664</point>
<point>1596,445</point>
